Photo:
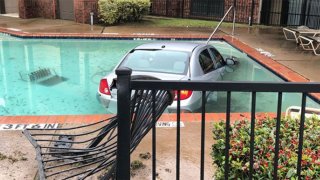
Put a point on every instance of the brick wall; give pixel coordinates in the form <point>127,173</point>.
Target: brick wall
<point>49,9</point>
<point>243,10</point>
<point>82,9</point>
<point>37,8</point>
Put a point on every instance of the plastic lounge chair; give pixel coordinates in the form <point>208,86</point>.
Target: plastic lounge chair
<point>80,152</point>
<point>295,112</point>
<point>310,43</point>
<point>293,33</point>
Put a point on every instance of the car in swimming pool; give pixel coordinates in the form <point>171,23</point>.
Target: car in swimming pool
<point>183,61</point>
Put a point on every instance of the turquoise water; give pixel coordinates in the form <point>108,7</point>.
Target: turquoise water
<point>75,68</point>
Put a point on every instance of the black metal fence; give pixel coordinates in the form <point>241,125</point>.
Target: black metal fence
<point>125,85</point>
<point>207,8</point>
<point>267,12</point>
<point>247,10</point>
<point>291,13</point>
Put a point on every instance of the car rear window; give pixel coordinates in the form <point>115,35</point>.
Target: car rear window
<point>164,61</point>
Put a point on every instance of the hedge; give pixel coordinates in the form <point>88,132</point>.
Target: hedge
<point>239,153</point>
<point>120,11</point>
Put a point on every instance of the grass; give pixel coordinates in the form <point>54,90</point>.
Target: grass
<point>3,157</point>
<point>158,21</point>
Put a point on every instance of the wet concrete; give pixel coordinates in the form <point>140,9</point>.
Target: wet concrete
<point>166,153</point>
<point>17,156</point>
<point>285,52</point>
<point>20,162</point>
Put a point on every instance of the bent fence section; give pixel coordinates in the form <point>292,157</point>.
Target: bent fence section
<point>126,85</point>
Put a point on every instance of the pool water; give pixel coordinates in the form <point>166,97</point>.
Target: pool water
<point>61,76</point>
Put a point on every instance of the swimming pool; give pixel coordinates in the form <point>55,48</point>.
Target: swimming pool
<point>78,65</point>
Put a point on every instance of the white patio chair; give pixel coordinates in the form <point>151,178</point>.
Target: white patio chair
<point>295,112</point>
<point>310,43</point>
<point>293,34</point>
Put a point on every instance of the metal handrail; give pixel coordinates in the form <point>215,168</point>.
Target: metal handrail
<point>225,15</point>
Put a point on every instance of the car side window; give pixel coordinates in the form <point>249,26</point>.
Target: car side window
<point>218,59</point>
<point>205,61</point>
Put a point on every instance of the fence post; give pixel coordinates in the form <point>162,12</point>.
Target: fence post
<point>123,113</point>
<point>303,13</point>
<point>252,13</point>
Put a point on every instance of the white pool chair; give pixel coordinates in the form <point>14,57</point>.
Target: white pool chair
<point>295,112</point>
<point>293,34</point>
<point>310,43</point>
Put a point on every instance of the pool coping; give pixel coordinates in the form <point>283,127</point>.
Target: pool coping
<point>282,71</point>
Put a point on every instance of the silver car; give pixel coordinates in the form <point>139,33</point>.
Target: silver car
<point>170,61</point>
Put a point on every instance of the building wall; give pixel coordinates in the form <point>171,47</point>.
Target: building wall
<point>82,9</point>
<point>11,6</point>
<point>170,8</point>
<point>243,10</point>
<point>37,8</point>
<point>49,9</point>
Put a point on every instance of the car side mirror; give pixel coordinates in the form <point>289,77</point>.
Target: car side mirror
<point>231,61</point>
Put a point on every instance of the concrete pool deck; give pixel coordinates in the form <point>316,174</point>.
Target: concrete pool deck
<point>289,60</point>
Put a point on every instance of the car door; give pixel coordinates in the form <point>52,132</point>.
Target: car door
<point>218,61</point>
<point>208,67</point>
<point>211,71</point>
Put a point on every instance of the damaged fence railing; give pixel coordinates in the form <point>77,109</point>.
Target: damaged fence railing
<point>92,149</point>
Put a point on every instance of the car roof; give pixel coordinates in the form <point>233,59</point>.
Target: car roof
<point>173,46</point>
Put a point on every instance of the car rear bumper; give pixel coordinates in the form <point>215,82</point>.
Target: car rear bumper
<point>185,106</point>
<point>108,102</point>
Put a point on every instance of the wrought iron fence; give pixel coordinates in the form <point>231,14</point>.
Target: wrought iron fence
<point>267,12</point>
<point>247,10</point>
<point>207,8</point>
<point>291,12</point>
<point>125,85</point>
<point>167,8</point>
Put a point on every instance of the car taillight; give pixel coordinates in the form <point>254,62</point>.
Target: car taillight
<point>184,94</point>
<point>104,87</point>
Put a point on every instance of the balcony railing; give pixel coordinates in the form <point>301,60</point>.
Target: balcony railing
<point>125,85</point>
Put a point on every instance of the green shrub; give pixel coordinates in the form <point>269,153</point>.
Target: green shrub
<point>119,11</point>
<point>239,153</point>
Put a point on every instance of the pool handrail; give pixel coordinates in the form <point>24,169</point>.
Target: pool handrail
<point>217,27</point>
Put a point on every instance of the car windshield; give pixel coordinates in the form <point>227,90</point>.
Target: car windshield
<point>164,61</point>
